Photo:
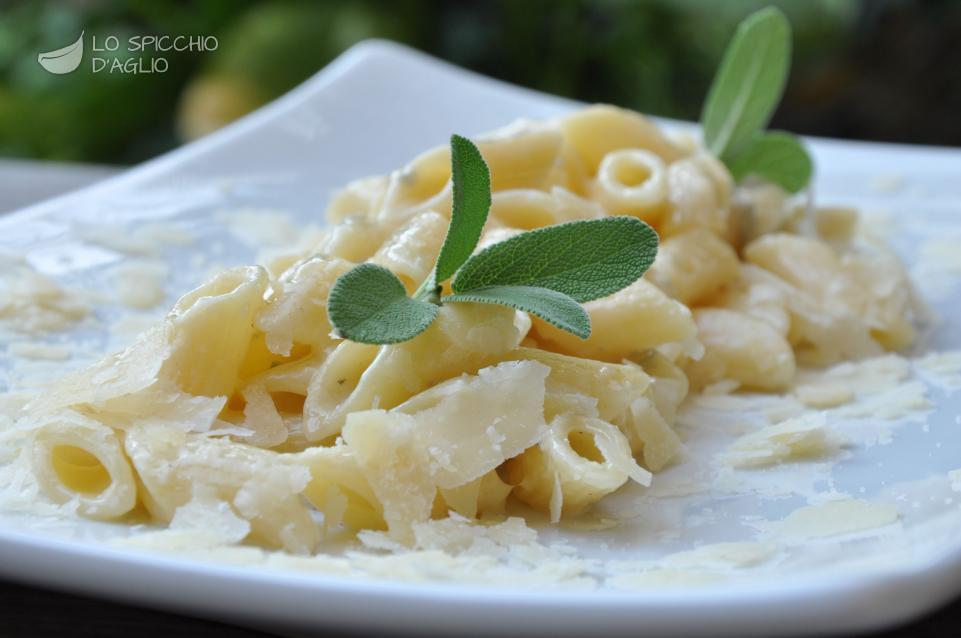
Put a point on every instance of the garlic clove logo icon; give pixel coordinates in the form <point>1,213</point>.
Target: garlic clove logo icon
<point>65,60</point>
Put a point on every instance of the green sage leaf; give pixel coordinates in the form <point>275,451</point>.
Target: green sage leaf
<point>471,202</point>
<point>584,260</point>
<point>369,304</point>
<point>749,83</point>
<point>776,157</point>
<point>554,307</point>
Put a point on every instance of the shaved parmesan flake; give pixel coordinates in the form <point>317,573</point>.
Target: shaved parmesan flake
<point>145,241</point>
<point>128,372</point>
<point>261,227</point>
<point>140,284</point>
<point>802,438</point>
<point>942,367</point>
<point>395,465</point>
<point>261,419</point>
<point>456,419</point>
<point>837,517</point>
<point>32,303</point>
<point>458,535</point>
<point>723,555</point>
<point>872,375</point>
<point>877,387</point>
<point>897,402</point>
<point>38,351</point>
<point>938,268</point>
<point>207,513</point>
<point>823,395</point>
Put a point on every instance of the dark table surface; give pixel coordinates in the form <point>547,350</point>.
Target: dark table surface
<point>28,612</point>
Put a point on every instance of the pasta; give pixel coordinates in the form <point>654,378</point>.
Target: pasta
<point>413,248</point>
<point>580,460</point>
<point>256,484</point>
<point>464,338</point>
<point>244,411</point>
<point>699,192</point>
<point>693,265</point>
<point>742,349</point>
<point>527,209</point>
<point>628,322</point>
<point>631,182</point>
<point>78,458</point>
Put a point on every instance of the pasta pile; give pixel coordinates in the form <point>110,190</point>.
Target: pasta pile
<point>243,404</point>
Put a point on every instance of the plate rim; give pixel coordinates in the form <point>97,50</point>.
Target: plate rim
<point>737,609</point>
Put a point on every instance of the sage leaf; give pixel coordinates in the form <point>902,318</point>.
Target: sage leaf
<point>369,304</point>
<point>471,202</point>
<point>553,307</point>
<point>584,260</point>
<point>749,83</point>
<point>776,157</point>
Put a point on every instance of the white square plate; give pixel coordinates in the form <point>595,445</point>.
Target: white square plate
<point>371,110</point>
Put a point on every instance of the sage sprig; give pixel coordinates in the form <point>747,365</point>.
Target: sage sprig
<point>745,92</point>
<point>547,272</point>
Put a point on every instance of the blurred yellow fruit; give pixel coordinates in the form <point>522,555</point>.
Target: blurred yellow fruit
<point>210,102</point>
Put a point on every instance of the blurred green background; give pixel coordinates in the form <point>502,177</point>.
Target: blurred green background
<point>863,69</point>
